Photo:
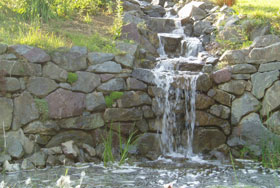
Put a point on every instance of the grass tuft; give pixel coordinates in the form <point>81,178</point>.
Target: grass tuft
<point>72,77</point>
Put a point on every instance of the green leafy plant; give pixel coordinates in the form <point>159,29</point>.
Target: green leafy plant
<point>109,100</point>
<point>108,154</point>
<point>118,22</point>
<point>72,77</point>
<point>124,148</point>
<point>271,152</point>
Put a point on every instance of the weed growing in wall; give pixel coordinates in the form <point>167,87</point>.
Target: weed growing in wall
<point>72,77</point>
<point>109,100</point>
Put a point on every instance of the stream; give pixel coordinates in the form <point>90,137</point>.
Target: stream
<point>179,172</point>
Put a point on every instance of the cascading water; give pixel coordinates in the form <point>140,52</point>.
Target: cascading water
<point>177,85</point>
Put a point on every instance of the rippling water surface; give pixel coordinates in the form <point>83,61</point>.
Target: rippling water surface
<point>180,172</point>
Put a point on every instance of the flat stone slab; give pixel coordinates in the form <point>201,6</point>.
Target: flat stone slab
<point>32,54</point>
<point>115,84</point>
<point>6,115</point>
<point>41,86</point>
<point>245,104</point>
<point>86,82</point>
<point>269,67</point>
<point>122,114</point>
<point>262,81</point>
<point>106,67</point>
<point>266,54</point>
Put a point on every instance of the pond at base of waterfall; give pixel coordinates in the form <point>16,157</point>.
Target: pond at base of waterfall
<point>180,172</point>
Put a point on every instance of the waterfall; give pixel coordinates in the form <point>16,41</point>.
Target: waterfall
<point>178,88</point>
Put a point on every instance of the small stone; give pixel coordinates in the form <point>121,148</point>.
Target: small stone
<point>85,122</point>
<point>69,149</point>
<point>220,111</point>
<point>262,81</point>
<point>27,164</point>
<point>144,75</point>
<point>32,54</point>
<point>15,148</point>
<point>127,59</point>
<point>12,84</point>
<point>54,72</point>
<point>148,112</point>
<point>245,104</point>
<point>116,84</point>
<point>221,76</point>
<point>122,114</point>
<point>37,127</point>
<point>86,82</point>
<point>10,167</point>
<point>41,86</point>
<point>236,87</point>
<point>241,76</point>
<point>203,83</point>
<point>53,150</point>
<point>106,67</point>
<point>132,99</point>
<point>38,159</point>
<point>98,58</point>
<point>135,84</point>
<point>203,101</point>
<point>243,69</point>
<point>142,125</point>
<point>95,101</point>
<point>106,77</point>
<point>223,97</point>
<point>90,150</point>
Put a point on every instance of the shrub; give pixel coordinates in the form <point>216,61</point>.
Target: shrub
<point>225,2</point>
<point>109,100</point>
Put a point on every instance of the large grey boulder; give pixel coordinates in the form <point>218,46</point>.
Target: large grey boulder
<point>202,27</point>
<point>106,67</point>
<point>266,54</point>
<point>154,10</point>
<point>6,115</point>
<point>14,148</point>
<point>21,68</point>
<point>126,59</point>
<point>132,99</point>
<point>95,101</point>
<point>32,54</point>
<point>236,87</point>
<point>220,111</point>
<point>271,99</point>
<point>25,110</point>
<point>37,127</point>
<point>63,103</point>
<point>262,81</point>
<point>95,58</point>
<point>26,143</point>
<point>206,139</point>
<point>161,25</point>
<point>191,10</point>
<point>135,84</point>
<point>246,104</point>
<point>86,82</point>
<point>243,69</point>
<point>265,40</point>
<point>250,133</point>
<point>12,84</point>
<point>221,96</point>
<point>149,146</point>
<point>85,122</point>
<point>205,119</point>
<point>144,75</point>
<point>122,114</point>
<point>235,56</point>
<point>41,86</point>
<point>70,61</point>
<point>116,84</point>
<point>54,72</point>
<point>269,67</point>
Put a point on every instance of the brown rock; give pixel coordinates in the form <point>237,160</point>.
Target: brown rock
<point>203,101</point>
<point>222,75</point>
<point>63,103</point>
<point>205,119</point>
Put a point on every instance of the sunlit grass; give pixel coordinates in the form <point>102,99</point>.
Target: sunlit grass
<point>263,10</point>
